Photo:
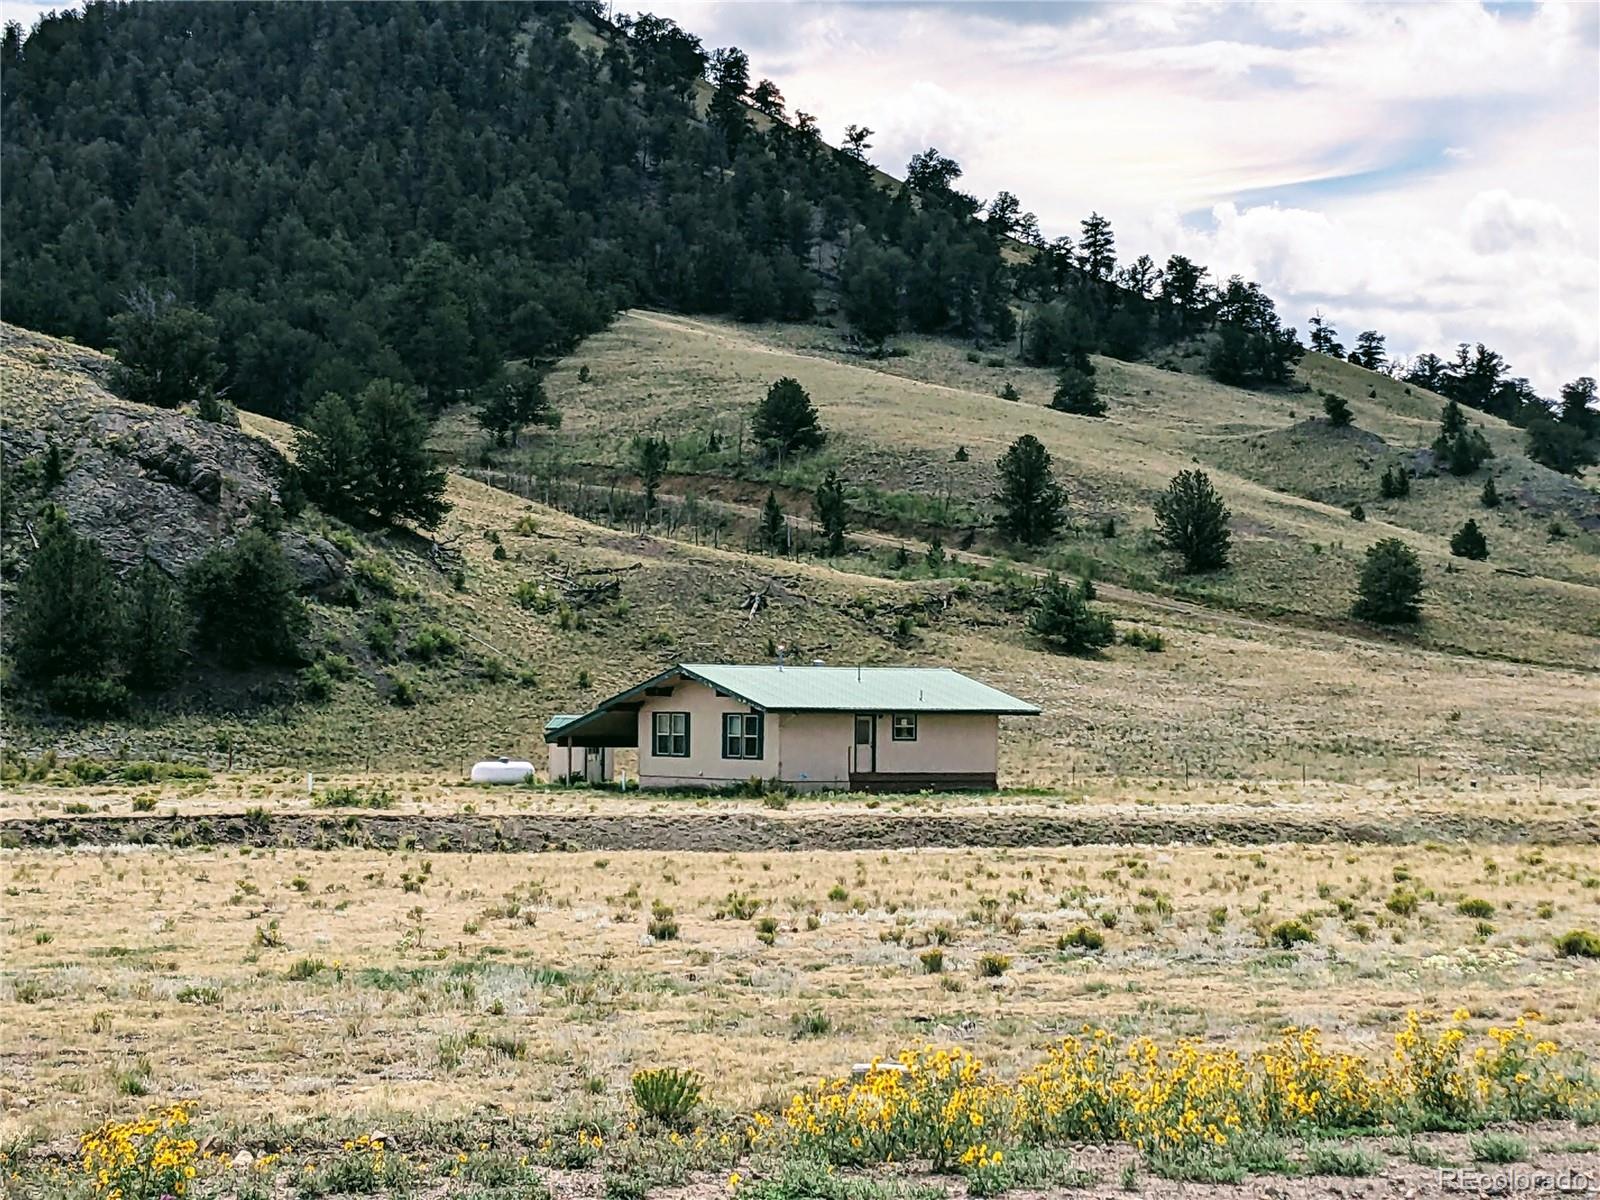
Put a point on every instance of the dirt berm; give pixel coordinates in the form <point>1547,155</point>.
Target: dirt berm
<point>729,832</point>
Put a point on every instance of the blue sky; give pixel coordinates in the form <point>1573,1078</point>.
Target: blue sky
<point>1428,170</point>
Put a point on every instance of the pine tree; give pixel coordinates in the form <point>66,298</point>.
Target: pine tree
<point>1076,394</point>
<point>1064,620</point>
<point>774,530</point>
<point>1338,410</point>
<point>831,515</point>
<point>245,603</point>
<point>157,628</point>
<point>330,456</point>
<point>651,456</point>
<point>399,479</point>
<point>785,420</point>
<point>1460,448</point>
<point>1490,496</point>
<point>1324,337</point>
<point>67,620</point>
<point>1369,350</point>
<point>1395,483</point>
<point>1192,520</point>
<point>1469,542</point>
<point>166,352</point>
<point>1031,501</point>
<point>1389,591</point>
<point>514,399</point>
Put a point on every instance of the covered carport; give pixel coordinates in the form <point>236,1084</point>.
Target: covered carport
<point>583,746</point>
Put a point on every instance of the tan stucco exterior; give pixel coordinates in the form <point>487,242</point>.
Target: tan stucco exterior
<point>813,750</point>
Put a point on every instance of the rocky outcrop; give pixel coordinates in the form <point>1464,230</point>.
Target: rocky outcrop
<point>138,480</point>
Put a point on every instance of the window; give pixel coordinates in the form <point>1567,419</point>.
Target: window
<point>903,728</point>
<point>741,735</point>
<point>863,731</point>
<point>671,734</point>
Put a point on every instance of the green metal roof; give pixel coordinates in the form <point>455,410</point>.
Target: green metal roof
<point>560,719</point>
<point>857,689</point>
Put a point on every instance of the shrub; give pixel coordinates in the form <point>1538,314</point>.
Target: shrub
<point>1333,1158</point>
<point>1578,943</point>
<point>246,602</point>
<point>1494,1147</point>
<point>1149,640</point>
<point>1084,937</point>
<point>666,1094</point>
<point>1286,935</point>
<point>661,925</point>
<point>992,966</point>
<point>306,968</point>
<point>404,691</point>
<point>1402,902</point>
<point>1475,907</point>
<point>433,641</point>
<point>811,1023</point>
<point>932,960</point>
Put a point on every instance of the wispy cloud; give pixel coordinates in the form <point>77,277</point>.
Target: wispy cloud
<point>1431,170</point>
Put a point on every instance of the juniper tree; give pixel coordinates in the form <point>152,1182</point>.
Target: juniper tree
<point>1490,496</point>
<point>1460,447</point>
<point>1395,483</point>
<point>1063,619</point>
<point>514,399</point>
<point>1031,501</point>
<point>1192,520</point>
<point>1389,590</point>
<point>245,602</point>
<point>1338,410</point>
<point>166,352</point>
<point>831,515</point>
<point>773,530</point>
<point>785,420</point>
<point>156,628</point>
<point>1469,542</point>
<point>651,456</point>
<point>67,619</point>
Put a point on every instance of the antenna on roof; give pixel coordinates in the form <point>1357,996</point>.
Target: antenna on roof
<point>781,651</point>
<point>858,672</point>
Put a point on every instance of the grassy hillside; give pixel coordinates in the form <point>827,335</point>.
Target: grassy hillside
<point>895,427</point>
<point>1233,695</point>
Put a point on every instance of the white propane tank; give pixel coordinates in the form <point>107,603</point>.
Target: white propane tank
<point>502,770</point>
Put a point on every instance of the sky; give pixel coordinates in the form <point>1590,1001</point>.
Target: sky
<point>1431,171</point>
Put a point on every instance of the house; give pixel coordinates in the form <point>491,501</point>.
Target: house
<point>810,727</point>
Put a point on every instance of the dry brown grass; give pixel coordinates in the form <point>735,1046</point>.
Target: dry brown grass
<point>166,956</point>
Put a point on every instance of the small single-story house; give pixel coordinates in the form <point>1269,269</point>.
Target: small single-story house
<point>809,727</point>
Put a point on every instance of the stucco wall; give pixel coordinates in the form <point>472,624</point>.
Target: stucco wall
<point>816,749</point>
<point>705,764</point>
<point>961,743</point>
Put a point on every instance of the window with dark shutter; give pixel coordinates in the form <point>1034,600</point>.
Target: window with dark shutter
<point>743,735</point>
<point>671,734</point>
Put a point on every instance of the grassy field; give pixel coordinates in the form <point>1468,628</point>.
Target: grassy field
<point>277,989</point>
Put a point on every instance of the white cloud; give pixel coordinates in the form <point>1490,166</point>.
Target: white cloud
<point>1430,170</point>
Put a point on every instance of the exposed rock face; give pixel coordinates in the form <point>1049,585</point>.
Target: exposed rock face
<point>139,480</point>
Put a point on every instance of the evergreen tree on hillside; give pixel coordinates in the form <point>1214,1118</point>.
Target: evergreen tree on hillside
<point>773,529</point>
<point>330,456</point>
<point>651,456</point>
<point>870,287</point>
<point>1338,410</point>
<point>1460,447</point>
<point>1395,483</point>
<point>1064,621</point>
<point>1578,406</point>
<point>1192,520</point>
<point>401,481</point>
<point>1389,591</point>
<point>1031,501</point>
<point>1075,393</point>
<point>514,399</point>
<point>831,514</point>
<point>166,352</point>
<point>1369,350</point>
<point>1097,248</point>
<point>1324,337</point>
<point>1560,446</point>
<point>245,604</point>
<point>1469,542</point>
<point>1489,497</point>
<point>157,628</point>
<point>730,80</point>
<point>785,421</point>
<point>67,622</point>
